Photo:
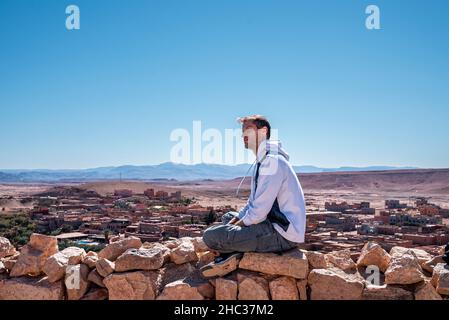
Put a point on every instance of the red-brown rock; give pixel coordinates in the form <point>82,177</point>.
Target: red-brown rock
<point>292,263</point>
<point>404,269</point>
<point>76,281</point>
<point>140,259</point>
<point>225,289</point>
<point>104,267</point>
<point>137,285</point>
<point>341,259</point>
<point>34,255</point>
<point>373,254</point>
<point>113,250</point>
<point>252,287</point>
<point>440,278</point>
<point>27,288</point>
<point>386,292</point>
<point>6,248</point>
<point>284,288</point>
<point>426,291</point>
<point>180,290</point>
<point>334,284</point>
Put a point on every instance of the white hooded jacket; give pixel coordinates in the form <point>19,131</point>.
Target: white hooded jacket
<point>277,181</point>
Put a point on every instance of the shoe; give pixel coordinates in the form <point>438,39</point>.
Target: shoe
<point>222,265</point>
<point>446,254</point>
<point>446,257</point>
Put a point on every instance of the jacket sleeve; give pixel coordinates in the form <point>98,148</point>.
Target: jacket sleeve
<point>267,191</point>
<point>243,211</point>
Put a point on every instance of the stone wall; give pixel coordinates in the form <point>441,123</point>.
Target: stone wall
<point>129,270</point>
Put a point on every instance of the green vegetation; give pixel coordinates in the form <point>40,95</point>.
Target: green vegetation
<point>17,228</point>
<point>186,201</point>
<point>65,228</point>
<point>159,208</point>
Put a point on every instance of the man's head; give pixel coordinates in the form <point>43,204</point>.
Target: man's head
<point>255,129</point>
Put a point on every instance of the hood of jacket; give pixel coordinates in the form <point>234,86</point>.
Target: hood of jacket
<point>273,147</point>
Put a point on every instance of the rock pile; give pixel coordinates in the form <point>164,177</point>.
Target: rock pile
<point>128,269</point>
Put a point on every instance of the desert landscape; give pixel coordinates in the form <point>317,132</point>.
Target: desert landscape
<point>147,234</point>
<point>373,186</point>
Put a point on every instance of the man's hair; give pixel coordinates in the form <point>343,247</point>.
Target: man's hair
<point>258,120</point>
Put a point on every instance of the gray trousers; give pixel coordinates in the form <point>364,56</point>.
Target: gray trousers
<point>261,237</point>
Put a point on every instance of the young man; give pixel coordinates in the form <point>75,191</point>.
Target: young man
<point>274,217</point>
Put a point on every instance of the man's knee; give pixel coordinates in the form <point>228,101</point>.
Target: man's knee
<point>211,238</point>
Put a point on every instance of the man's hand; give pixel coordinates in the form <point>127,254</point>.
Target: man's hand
<point>239,223</point>
<point>233,220</point>
<point>236,221</point>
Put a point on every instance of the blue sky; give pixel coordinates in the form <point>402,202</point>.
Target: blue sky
<point>111,92</point>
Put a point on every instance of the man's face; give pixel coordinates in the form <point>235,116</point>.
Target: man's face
<point>252,135</point>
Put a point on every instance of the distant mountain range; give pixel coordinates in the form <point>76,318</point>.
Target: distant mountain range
<point>163,171</point>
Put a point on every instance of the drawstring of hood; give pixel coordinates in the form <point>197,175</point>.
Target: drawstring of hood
<point>266,146</point>
<point>243,179</point>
